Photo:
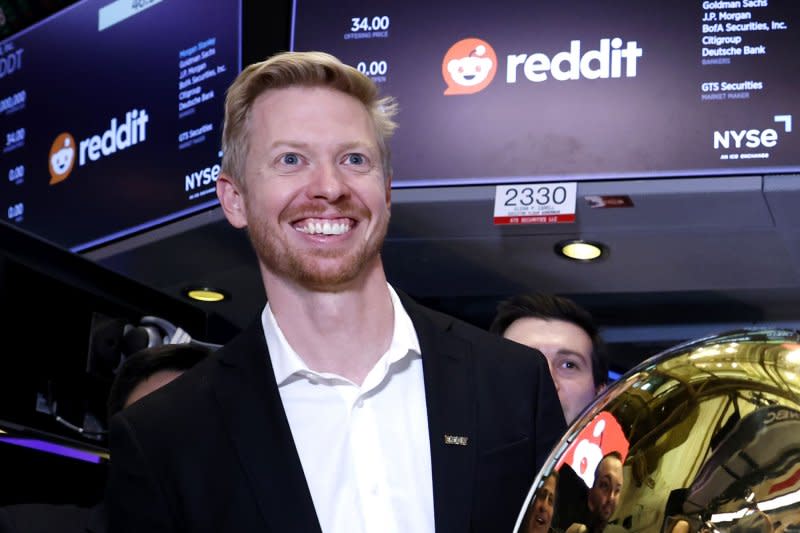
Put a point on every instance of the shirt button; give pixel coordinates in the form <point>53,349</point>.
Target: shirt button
<point>360,403</point>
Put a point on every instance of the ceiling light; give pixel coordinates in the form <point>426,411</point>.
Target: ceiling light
<point>579,250</point>
<point>205,294</point>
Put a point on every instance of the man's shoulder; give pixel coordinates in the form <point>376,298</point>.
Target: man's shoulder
<point>483,344</point>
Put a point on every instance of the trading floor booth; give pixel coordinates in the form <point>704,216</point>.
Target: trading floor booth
<point>66,323</point>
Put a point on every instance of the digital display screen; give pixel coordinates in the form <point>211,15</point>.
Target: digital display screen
<point>111,116</point>
<point>510,91</point>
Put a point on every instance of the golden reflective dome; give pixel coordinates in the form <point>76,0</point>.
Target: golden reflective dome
<point>702,437</point>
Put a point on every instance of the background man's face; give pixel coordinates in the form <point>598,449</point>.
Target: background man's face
<point>542,511</point>
<point>568,350</point>
<point>604,494</point>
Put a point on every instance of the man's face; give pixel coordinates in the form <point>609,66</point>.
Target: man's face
<point>542,512</point>
<point>568,350</point>
<point>604,494</point>
<point>316,202</point>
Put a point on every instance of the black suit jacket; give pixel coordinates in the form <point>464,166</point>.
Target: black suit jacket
<point>213,451</point>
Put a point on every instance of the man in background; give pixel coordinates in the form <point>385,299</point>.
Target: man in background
<point>539,517</point>
<point>567,336</point>
<point>139,375</point>
<point>150,369</point>
<point>603,496</point>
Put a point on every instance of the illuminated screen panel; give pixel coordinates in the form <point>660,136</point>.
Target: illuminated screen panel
<point>510,91</point>
<point>110,116</point>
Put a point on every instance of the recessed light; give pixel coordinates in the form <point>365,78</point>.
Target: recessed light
<point>580,250</point>
<point>205,294</point>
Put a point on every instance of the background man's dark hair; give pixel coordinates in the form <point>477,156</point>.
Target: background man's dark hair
<point>613,453</point>
<point>551,307</point>
<point>144,363</point>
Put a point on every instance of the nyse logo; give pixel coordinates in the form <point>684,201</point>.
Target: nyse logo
<point>752,138</point>
<point>202,177</point>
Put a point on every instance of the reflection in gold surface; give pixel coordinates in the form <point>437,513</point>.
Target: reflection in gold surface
<point>709,439</point>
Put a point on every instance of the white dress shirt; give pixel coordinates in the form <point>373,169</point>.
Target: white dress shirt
<point>365,449</point>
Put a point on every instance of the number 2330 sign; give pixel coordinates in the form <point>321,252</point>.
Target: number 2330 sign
<point>539,203</point>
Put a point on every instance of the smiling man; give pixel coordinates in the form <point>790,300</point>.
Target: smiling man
<point>539,517</point>
<point>567,336</point>
<point>603,496</point>
<point>345,407</point>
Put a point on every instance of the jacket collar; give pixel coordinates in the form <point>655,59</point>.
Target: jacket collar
<point>257,424</point>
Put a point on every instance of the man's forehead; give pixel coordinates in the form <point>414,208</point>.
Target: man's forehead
<point>295,110</point>
<point>301,91</point>
<point>549,329</point>
<point>610,465</point>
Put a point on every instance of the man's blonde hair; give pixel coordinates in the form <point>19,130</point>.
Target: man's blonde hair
<point>299,69</point>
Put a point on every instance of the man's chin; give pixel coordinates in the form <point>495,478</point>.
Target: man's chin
<point>320,269</point>
<point>332,277</point>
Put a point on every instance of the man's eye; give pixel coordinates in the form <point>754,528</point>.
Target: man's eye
<point>356,159</point>
<point>290,159</point>
<point>569,365</point>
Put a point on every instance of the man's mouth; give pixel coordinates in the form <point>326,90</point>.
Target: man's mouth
<point>320,226</point>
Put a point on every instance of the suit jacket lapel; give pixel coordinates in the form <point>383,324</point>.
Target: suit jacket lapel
<point>257,425</point>
<point>452,411</point>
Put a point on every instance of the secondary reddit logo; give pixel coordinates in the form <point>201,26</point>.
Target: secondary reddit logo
<point>62,158</point>
<point>469,66</point>
<point>596,440</point>
<point>65,152</point>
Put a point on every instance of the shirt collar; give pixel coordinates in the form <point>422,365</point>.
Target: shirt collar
<point>286,362</point>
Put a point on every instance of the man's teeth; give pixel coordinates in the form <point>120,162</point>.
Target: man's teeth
<point>324,228</point>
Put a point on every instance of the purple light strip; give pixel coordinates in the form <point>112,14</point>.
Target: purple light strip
<point>49,447</point>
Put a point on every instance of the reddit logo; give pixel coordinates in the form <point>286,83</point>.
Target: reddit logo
<point>596,440</point>
<point>62,158</point>
<point>469,66</point>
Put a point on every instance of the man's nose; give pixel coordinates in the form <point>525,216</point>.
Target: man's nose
<point>327,182</point>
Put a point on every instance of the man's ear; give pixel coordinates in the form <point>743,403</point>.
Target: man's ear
<point>232,201</point>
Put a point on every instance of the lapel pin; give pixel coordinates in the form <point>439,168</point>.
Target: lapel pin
<point>456,440</point>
